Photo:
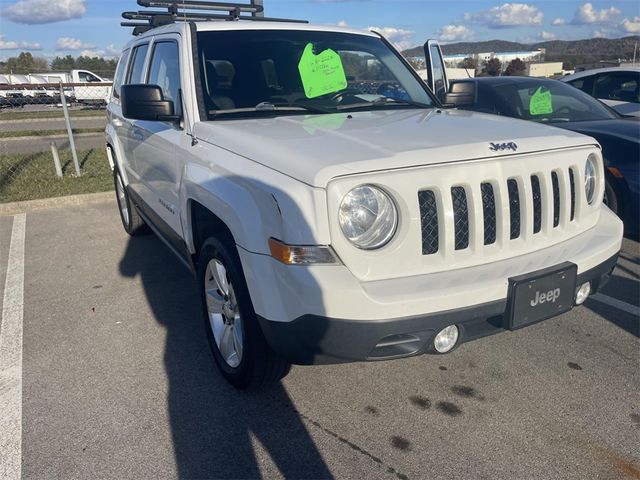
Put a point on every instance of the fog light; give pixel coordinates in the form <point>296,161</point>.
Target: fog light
<point>446,339</point>
<point>583,293</point>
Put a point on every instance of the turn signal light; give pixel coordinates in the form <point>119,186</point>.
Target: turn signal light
<point>302,255</point>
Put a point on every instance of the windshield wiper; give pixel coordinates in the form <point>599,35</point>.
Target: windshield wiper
<point>383,102</point>
<point>267,107</point>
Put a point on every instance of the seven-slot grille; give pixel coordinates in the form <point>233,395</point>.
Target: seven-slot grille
<point>513,192</point>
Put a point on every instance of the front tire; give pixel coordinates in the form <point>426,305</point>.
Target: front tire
<point>238,345</point>
<point>611,197</point>
<point>132,222</point>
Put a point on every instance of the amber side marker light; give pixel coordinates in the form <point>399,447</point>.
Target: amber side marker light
<point>615,172</point>
<point>302,254</point>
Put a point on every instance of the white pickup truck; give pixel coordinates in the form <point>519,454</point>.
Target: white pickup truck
<point>84,86</point>
<point>331,208</point>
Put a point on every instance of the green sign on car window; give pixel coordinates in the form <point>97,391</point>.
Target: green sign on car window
<point>321,74</point>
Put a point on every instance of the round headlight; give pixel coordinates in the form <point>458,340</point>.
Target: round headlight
<point>590,179</point>
<point>368,217</point>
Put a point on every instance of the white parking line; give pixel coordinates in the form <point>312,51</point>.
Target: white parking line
<point>11,356</point>
<point>620,305</point>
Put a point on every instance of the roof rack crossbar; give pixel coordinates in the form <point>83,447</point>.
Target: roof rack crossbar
<point>178,10</point>
<point>254,7</point>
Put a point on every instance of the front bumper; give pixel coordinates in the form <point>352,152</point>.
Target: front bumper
<point>314,339</point>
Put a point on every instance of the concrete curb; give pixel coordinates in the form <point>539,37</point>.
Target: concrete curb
<point>8,209</point>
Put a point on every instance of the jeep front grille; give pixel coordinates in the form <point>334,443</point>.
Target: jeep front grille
<point>489,213</point>
<point>460,217</point>
<point>573,194</point>
<point>537,204</point>
<point>514,208</point>
<point>556,199</point>
<point>429,220</point>
<point>545,193</point>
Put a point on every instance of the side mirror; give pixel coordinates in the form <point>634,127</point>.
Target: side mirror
<point>146,102</point>
<point>461,94</point>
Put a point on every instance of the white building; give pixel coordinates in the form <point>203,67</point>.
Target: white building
<point>452,73</point>
<point>545,69</point>
<point>504,57</point>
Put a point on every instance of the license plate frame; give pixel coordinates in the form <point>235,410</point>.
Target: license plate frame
<point>538,296</point>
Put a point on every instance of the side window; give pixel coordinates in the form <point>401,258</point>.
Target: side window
<point>618,86</point>
<point>585,84</point>
<point>87,77</point>
<point>165,72</point>
<point>120,71</point>
<point>486,102</point>
<point>136,74</point>
<point>579,84</point>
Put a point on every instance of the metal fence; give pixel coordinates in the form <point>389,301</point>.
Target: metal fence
<point>47,132</point>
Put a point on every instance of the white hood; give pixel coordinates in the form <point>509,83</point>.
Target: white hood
<point>316,148</point>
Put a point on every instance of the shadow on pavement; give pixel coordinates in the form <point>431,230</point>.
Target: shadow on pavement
<point>214,426</point>
<point>623,289</point>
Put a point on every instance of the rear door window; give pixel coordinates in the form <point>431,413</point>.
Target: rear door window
<point>120,71</point>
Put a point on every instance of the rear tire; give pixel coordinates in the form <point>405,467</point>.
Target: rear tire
<point>132,222</point>
<point>237,343</point>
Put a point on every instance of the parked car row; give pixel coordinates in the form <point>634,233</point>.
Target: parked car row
<point>82,86</point>
<point>603,104</point>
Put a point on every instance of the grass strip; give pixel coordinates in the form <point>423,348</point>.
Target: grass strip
<point>44,114</point>
<point>32,176</point>
<point>47,133</point>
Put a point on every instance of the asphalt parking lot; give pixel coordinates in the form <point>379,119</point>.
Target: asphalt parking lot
<point>117,381</point>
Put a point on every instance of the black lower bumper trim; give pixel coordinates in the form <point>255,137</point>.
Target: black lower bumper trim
<point>314,339</point>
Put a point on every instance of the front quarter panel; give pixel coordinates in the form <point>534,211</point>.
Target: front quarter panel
<point>255,202</point>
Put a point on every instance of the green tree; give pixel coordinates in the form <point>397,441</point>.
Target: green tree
<point>63,64</point>
<point>98,65</point>
<point>25,63</point>
<point>492,67</point>
<point>515,68</point>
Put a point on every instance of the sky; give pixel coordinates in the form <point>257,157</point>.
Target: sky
<point>50,28</point>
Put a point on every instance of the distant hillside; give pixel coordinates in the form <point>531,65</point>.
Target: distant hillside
<point>571,52</point>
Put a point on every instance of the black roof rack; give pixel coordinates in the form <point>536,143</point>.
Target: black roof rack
<point>183,11</point>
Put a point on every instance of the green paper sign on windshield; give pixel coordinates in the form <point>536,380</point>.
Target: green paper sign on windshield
<point>321,74</point>
<point>540,103</point>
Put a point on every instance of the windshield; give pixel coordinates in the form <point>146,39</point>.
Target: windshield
<point>548,102</point>
<point>258,72</point>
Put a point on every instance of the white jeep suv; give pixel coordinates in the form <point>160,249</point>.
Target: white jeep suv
<point>332,209</point>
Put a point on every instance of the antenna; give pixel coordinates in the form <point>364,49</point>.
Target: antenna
<point>195,11</point>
